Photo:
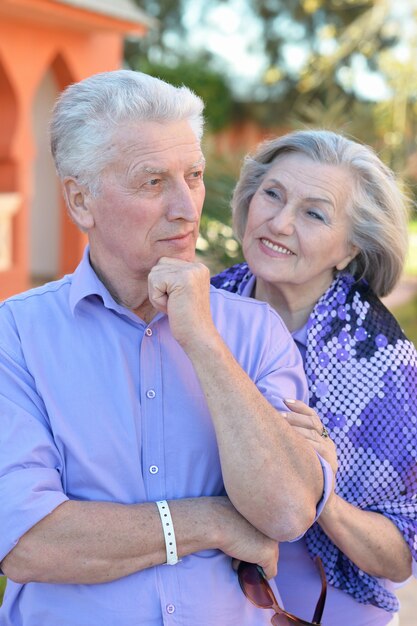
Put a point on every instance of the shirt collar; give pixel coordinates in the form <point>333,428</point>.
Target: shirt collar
<point>300,335</point>
<point>85,283</point>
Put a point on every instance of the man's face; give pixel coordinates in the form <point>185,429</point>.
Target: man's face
<point>150,199</point>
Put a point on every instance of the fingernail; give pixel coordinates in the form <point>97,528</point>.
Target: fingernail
<point>289,401</point>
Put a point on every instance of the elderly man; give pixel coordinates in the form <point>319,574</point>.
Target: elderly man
<point>139,423</point>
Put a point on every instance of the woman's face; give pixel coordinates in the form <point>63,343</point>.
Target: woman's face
<point>297,230</point>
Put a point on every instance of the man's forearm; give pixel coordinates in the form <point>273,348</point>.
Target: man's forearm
<point>271,474</point>
<point>96,542</point>
<point>88,542</point>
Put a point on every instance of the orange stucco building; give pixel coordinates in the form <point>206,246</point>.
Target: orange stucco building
<point>44,46</point>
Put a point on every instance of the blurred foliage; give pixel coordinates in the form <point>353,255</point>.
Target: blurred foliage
<point>406,315</point>
<point>157,46</point>
<point>280,23</point>
<point>2,587</point>
<point>216,245</point>
<point>411,262</point>
<point>386,43</point>
<point>310,24</point>
<point>164,53</point>
<point>313,52</point>
<point>208,84</point>
<point>334,38</point>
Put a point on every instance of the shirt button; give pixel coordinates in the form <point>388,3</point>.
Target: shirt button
<point>150,394</point>
<point>170,608</point>
<point>154,469</point>
<point>148,332</point>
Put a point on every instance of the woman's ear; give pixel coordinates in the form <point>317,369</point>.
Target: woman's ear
<point>352,252</point>
<point>78,198</point>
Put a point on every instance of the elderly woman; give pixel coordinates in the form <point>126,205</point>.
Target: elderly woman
<point>323,225</point>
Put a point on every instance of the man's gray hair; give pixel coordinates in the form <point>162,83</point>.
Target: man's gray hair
<point>378,208</point>
<point>88,113</point>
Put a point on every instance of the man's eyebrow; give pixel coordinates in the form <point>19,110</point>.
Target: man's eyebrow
<point>152,170</point>
<point>148,169</point>
<point>201,161</point>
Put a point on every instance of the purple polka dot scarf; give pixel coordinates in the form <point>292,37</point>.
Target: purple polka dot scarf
<point>362,377</point>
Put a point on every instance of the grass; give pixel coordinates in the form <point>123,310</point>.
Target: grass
<point>2,587</point>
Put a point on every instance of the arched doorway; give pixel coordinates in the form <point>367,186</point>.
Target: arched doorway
<point>8,121</point>
<point>45,211</point>
<point>10,200</point>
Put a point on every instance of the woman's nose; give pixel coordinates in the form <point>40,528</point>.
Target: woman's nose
<point>283,221</point>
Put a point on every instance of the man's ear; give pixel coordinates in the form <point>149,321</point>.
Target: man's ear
<point>77,198</point>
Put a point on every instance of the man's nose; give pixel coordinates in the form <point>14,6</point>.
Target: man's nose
<point>183,204</point>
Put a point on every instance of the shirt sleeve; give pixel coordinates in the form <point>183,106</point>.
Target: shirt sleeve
<point>328,479</point>
<point>281,373</point>
<point>30,465</point>
<point>288,380</point>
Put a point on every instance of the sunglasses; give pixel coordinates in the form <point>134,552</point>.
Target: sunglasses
<point>257,589</point>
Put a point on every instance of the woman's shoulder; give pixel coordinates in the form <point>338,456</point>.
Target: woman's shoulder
<point>231,278</point>
<point>379,318</point>
<point>351,317</point>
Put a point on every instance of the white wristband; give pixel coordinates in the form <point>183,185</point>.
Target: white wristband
<point>169,534</point>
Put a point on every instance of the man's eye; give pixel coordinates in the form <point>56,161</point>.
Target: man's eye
<point>152,182</point>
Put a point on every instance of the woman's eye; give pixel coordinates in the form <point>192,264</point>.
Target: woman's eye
<point>316,215</point>
<point>273,193</point>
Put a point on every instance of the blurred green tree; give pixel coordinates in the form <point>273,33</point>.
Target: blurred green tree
<point>164,54</point>
<point>216,244</point>
<point>207,83</point>
<point>312,53</point>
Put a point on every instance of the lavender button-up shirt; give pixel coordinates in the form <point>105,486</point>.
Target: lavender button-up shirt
<point>97,405</point>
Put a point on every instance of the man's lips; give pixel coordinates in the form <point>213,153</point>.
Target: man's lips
<point>177,238</point>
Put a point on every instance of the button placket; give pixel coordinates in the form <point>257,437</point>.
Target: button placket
<point>151,413</point>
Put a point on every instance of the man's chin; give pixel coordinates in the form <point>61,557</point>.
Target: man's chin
<point>189,256</point>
